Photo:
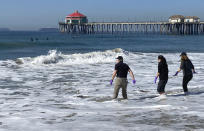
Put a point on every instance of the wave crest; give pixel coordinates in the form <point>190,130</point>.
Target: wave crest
<point>55,57</point>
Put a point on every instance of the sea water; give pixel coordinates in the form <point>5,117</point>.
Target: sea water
<point>60,82</point>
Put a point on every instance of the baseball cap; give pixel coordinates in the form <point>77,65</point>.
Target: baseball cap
<point>119,58</point>
<point>183,54</point>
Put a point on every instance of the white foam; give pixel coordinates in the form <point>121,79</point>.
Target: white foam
<point>193,113</point>
<point>47,90</point>
<point>55,57</point>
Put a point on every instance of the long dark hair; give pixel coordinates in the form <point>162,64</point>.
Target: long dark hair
<point>184,57</point>
<point>163,60</point>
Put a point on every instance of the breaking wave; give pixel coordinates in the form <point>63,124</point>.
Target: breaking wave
<point>55,57</point>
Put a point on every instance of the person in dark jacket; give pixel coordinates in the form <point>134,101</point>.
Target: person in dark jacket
<point>162,74</point>
<point>121,71</point>
<point>188,70</point>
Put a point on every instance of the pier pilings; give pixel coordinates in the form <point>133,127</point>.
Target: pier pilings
<point>145,27</point>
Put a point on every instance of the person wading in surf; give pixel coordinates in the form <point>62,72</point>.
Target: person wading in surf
<point>188,70</point>
<point>121,71</point>
<point>162,74</point>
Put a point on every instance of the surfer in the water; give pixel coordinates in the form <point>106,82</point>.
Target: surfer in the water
<point>162,74</point>
<point>121,71</point>
<point>188,70</point>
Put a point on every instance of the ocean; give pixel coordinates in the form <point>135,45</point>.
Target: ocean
<point>60,82</point>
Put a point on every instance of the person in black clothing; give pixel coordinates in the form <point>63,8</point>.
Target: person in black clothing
<point>162,74</point>
<point>31,39</point>
<point>121,71</point>
<point>188,70</point>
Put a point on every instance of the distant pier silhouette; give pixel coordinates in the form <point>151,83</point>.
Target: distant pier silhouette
<point>154,27</point>
<point>177,24</point>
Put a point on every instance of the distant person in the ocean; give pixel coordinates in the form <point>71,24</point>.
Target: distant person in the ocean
<point>162,74</point>
<point>188,70</point>
<point>31,39</point>
<point>121,71</point>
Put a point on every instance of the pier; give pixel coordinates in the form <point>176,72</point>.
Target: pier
<point>146,27</point>
<point>177,24</point>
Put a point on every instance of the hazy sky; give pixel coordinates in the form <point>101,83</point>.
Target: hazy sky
<point>34,14</point>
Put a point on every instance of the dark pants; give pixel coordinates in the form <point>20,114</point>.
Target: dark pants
<point>161,86</point>
<point>186,80</point>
